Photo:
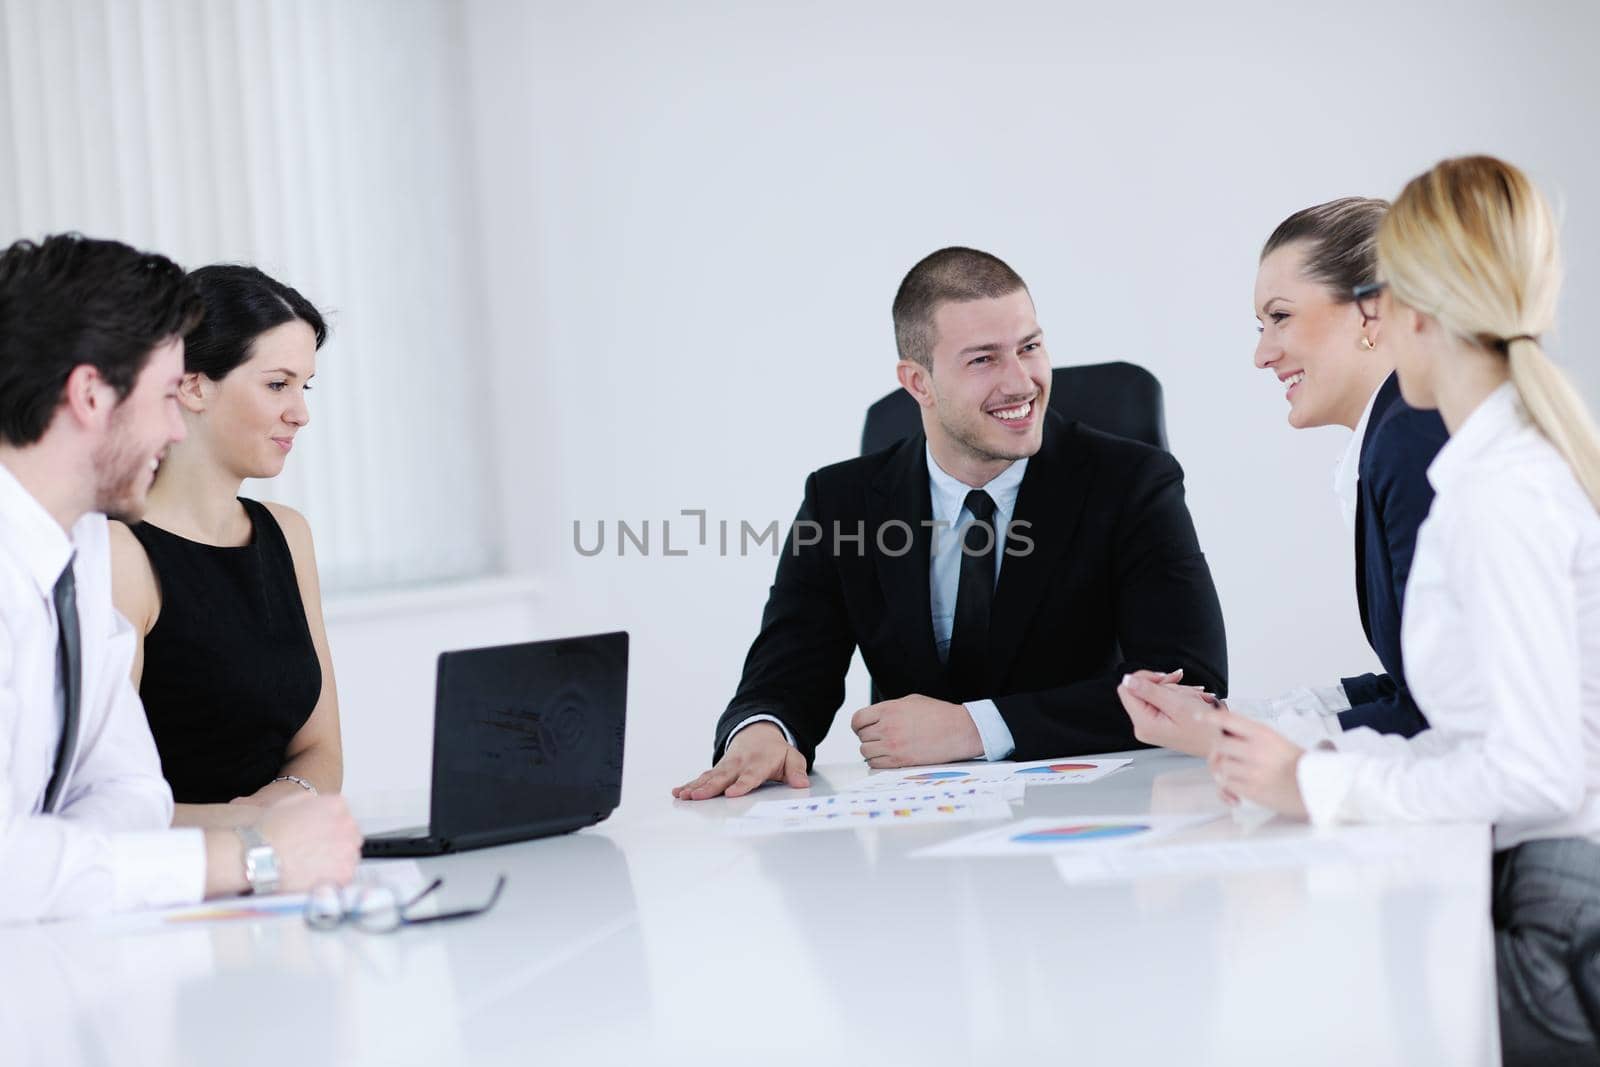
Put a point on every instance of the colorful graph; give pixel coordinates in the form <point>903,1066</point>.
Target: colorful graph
<point>868,814</point>
<point>1060,768</point>
<point>1081,832</point>
<point>266,908</point>
<point>937,776</point>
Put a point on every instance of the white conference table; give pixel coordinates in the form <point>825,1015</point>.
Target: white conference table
<point>657,937</point>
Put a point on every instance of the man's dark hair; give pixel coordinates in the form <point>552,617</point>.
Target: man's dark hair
<point>242,303</point>
<point>70,300</point>
<point>950,274</point>
<point>1341,242</point>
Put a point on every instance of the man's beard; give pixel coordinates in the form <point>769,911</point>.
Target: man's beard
<point>972,441</point>
<point>122,474</point>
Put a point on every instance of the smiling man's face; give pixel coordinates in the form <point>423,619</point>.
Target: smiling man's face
<point>990,380</point>
<point>140,429</point>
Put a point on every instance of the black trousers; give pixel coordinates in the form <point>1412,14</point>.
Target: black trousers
<point>1546,901</point>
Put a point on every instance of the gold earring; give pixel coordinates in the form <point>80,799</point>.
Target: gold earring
<point>1366,342</point>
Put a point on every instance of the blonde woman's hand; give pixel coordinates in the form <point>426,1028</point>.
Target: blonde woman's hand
<point>1251,760</point>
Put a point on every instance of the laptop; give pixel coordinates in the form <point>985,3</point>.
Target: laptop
<point>527,742</point>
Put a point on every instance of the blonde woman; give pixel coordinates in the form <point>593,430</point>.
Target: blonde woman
<point>1502,617</point>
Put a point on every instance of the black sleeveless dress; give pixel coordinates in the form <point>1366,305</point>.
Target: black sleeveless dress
<point>230,673</point>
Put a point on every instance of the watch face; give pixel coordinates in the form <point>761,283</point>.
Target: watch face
<point>261,869</point>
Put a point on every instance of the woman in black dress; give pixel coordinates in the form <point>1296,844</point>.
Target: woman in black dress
<point>222,592</point>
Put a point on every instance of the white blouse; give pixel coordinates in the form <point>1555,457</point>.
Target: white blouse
<point>1501,636</point>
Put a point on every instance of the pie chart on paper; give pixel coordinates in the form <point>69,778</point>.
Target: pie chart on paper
<point>1060,768</point>
<point>937,776</point>
<point>1081,832</point>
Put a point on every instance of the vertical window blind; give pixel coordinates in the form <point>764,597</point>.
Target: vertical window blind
<point>329,144</point>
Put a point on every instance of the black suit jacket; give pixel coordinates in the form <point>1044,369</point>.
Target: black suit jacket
<point>1115,582</point>
<point>1395,497</point>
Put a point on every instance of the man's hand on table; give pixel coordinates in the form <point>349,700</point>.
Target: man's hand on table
<point>914,731</point>
<point>758,754</point>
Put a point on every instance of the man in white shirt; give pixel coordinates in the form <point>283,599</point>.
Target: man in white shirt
<point>91,351</point>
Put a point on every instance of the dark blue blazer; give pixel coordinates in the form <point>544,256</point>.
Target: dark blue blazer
<point>1395,495</point>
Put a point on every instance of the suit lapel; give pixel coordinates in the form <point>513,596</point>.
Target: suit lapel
<point>1050,500</point>
<point>1361,563</point>
<point>901,493</point>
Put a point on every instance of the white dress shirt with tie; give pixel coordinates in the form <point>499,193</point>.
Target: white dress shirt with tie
<point>107,847</point>
<point>1501,635</point>
<point>951,519</point>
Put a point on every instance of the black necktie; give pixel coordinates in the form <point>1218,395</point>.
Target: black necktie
<point>969,634</point>
<point>69,659</point>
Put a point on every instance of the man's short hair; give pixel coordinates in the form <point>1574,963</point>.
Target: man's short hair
<point>950,274</point>
<point>71,300</point>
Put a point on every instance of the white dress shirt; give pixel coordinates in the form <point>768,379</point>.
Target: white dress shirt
<point>1309,713</point>
<point>108,846</point>
<point>951,519</point>
<point>1347,472</point>
<point>1501,635</point>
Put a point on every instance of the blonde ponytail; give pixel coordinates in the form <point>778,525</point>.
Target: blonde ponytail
<point>1559,412</point>
<point>1474,244</point>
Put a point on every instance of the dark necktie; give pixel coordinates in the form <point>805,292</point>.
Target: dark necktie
<point>969,634</point>
<point>69,660</point>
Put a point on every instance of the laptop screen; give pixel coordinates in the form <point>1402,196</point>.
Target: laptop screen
<point>529,734</point>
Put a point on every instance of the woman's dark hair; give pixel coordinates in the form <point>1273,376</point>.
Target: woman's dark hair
<point>1341,242</point>
<point>242,303</point>
<point>71,300</point>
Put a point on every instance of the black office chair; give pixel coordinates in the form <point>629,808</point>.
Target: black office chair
<point>1119,398</point>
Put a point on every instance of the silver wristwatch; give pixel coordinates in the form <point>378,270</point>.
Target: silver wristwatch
<point>260,861</point>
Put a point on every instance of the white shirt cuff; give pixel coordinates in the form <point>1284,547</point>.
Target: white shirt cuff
<point>1304,715</point>
<point>762,718</point>
<point>1307,729</point>
<point>1325,778</point>
<point>992,729</point>
<point>159,868</point>
<point>1325,700</point>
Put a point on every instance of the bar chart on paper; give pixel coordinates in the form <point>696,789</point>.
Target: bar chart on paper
<point>846,811</point>
<point>898,799</point>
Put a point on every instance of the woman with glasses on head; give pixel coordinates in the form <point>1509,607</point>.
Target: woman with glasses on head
<point>1327,350</point>
<point>222,591</point>
<point>1502,620</point>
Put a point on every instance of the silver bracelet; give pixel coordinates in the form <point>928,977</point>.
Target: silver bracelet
<point>297,780</point>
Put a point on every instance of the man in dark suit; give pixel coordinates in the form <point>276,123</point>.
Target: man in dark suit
<point>1000,571</point>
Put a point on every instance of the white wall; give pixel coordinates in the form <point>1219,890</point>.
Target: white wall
<point>385,651</point>
<point>694,217</point>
